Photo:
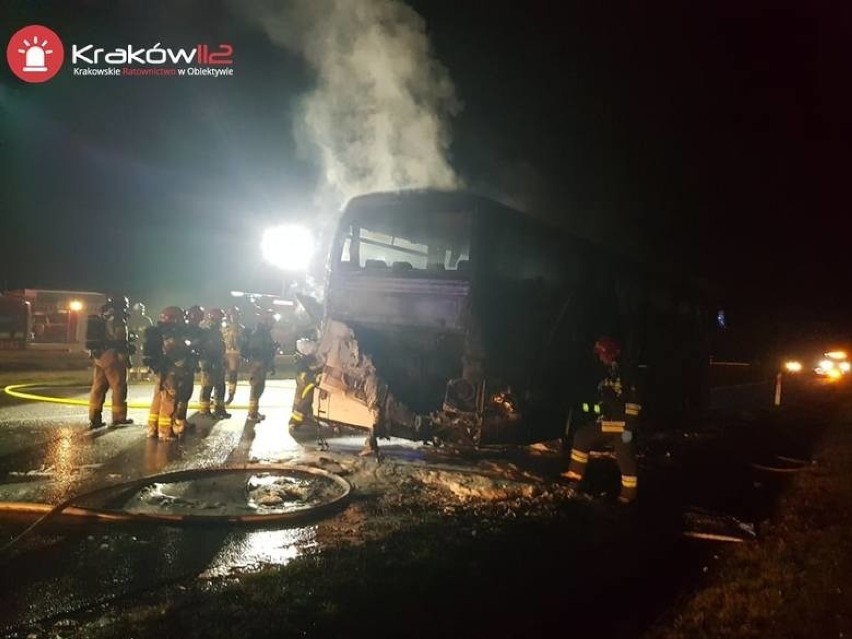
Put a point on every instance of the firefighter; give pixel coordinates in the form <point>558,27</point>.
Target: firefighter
<point>194,337</point>
<point>213,366</point>
<point>308,369</point>
<point>233,333</point>
<point>615,424</point>
<point>259,350</point>
<point>169,357</point>
<point>109,345</point>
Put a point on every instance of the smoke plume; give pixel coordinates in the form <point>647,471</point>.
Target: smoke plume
<point>378,117</point>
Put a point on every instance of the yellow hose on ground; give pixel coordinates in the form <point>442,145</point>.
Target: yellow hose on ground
<point>14,390</point>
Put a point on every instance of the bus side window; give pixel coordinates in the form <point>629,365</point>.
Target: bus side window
<point>350,251</point>
<point>346,254</point>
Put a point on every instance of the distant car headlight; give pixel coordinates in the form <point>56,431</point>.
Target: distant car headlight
<point>793,366</point>
<point>826,365</point>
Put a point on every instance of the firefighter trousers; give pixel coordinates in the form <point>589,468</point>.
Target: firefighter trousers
<point>110,373</point>
<point>212,383</point>
<point>164,417</point>
<point>257,379</point>
<point>303,399</point>
<point>232,372</point>
<point>605,433</point>
<point>184,382</point>
<point>154,411</point>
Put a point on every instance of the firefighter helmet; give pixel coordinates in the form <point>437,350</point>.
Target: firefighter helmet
<point>172,315</point>
<point>215,315</point>
<point>268,318</point>
<point>194,315</point>
<point>115,305</point>
<point>607,348</point>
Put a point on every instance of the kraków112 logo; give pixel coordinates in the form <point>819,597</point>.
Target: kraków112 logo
<point>35,53</point>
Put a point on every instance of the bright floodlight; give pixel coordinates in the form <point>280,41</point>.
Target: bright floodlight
<point>288,247</point>
<point>75,305</point>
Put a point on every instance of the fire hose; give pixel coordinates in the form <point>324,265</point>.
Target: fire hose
<point>18,391</point>
<point>798,465</point>
<point>293,517</point>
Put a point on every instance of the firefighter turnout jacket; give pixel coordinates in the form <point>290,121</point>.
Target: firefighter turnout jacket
<point>613,424</point>
<point>174,360</point>
<point>109,343</point>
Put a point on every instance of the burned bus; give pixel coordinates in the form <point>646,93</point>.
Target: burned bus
<point>451,318</point>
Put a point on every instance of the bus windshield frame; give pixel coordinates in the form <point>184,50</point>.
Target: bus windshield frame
<point>405,240</point>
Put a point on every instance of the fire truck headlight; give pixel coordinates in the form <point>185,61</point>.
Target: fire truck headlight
<point>793,366</point>
<point>289,247</point>
<point>845,366</point>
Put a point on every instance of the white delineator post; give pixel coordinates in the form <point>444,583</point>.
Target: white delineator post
<point>778,388</point>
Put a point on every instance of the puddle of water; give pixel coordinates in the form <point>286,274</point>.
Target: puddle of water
<point>258,549</point>
<point>234,495</point>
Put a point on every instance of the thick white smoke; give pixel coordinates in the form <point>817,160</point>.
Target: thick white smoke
<point>378,117</point>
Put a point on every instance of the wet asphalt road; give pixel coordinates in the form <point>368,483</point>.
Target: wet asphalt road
<point>48,454</point>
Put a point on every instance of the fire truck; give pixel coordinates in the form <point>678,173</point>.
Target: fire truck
<point>291,319</point>
<point>15,322</point>
<point>57,319</point>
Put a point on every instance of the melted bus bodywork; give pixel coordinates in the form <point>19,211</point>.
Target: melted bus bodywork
<point>449,317</point>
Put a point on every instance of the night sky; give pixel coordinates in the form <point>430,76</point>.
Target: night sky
<point>716,134</point>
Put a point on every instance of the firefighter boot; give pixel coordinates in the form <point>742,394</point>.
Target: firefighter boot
<point>96,419</point>
<point>152,425</point>
<point>253,414</point>
<point>164,428</point>
<point>181,426</point>
<point>371,447</point>
<point>629,484</point>
<point>219,411</point>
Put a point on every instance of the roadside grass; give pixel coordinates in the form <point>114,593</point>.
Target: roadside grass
<point>796,580</point>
